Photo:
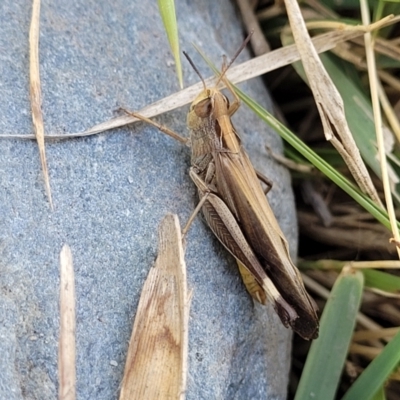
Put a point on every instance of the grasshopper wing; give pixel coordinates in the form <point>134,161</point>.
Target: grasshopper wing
<point>238,186</point>
<point>226,229</point>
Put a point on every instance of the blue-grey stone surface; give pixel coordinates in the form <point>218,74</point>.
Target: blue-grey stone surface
<point>110,192</point>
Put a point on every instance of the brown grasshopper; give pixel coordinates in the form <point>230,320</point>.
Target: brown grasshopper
<point>237,210</point>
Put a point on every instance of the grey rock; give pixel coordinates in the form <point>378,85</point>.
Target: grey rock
<point>110,192</point>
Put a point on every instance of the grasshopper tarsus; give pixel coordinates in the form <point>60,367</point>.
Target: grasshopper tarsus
<point>265,180</point>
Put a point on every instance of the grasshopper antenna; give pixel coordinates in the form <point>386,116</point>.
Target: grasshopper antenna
<point>225,66</point>
<point>195,69</point>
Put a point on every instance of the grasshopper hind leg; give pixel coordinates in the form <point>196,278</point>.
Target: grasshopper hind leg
<point>252,286</point>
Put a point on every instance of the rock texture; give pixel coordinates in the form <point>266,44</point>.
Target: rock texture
<point>110,192</point>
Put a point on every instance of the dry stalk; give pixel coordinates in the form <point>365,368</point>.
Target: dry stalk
<point>66,345</point>
<point>156,364</point>
<point>36,93</point>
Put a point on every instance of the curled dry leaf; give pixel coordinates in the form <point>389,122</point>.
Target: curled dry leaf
<point>258,41</point>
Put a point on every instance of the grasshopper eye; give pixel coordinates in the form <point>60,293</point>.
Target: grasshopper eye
<point>203,108</point>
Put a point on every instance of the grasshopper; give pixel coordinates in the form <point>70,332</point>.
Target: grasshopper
<point>237,210</point>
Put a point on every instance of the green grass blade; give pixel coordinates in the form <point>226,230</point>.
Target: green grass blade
<point>377,372</point>
<point>168,15</point>
<point>380,394</point>
<point>325,361</point>
<point>381,280</point>
<point>318,162</point>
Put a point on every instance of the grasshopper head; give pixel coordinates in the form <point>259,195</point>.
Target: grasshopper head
<point>212,101</point>
<point>208,103</point>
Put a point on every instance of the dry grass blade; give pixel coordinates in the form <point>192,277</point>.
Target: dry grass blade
<point>240,73</point>
<point>329,102</point>
<point>385,333</point>
<point>347,232</point>
<point>368,352</point>
<point>390,79</point>
<point>384,293</point>
<point>321,8</point>
<point>66,346</point>
<point>390,114</point>
<point>382,46</point>
<point>258,42</point>
<point>384,264</point>
<point>373,77</point>
<point>156,362</point>
<point>289,163</point>
<point>36,93</point>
